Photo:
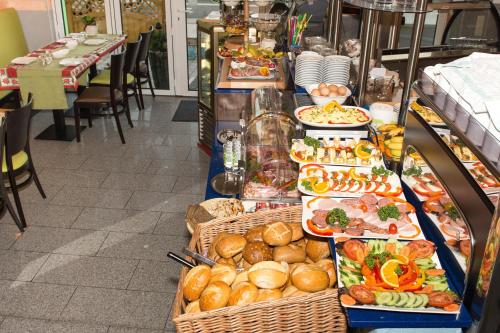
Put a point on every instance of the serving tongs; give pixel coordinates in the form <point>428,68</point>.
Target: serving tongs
<point>198,257</point>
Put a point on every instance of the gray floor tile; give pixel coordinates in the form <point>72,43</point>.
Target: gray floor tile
<point>140,246</point>
<point>117,220</point>
<point>197,154</point>
<point>58,240</point>
<point>30,193</point>
<point>20,265</point>
<point>47,215</point>
<point>35,300</point>
<point>78,178</point>
<point>178,168</point>
<point>190,185</point>
<point>131,330</point>
<point>8,235</point>
<point>87,271</point>
<point>119,307</point>
<point>100,150</point>
<point>57,160</point>
<point>145,182</point>
<point>129,164</point>
<point>92,197</point>
<point>172,224</point>
<point>22,325</point>
<point>151,152</point>
<point>180,140</point>
<point>156,276</point>
<point>162,202</point>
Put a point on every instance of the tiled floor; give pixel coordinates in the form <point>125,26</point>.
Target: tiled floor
<point>94,257</point>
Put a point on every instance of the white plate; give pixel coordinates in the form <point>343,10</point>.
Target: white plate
<point>298,110</point>
<point>393,180</point>
<point>447,237</point>
<point>71,62</point>
<point>23,60</point>
<point>310,204</point>
<point>94,41</point>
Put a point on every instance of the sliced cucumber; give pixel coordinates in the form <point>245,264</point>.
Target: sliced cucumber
<point>351,263</point>
<point>438,286</point>
<point>412,298</point>
<point>440,278</point>
<point>383,298</point>
<point>403,298</point>
<point>418,301</point>
<point>425,299</point>
<point>394,299</point>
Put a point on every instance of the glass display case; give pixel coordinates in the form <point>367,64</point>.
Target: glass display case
<point>269,173</point>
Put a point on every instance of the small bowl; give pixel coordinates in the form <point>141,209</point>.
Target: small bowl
<point>60,53</point>
<point>71,44</point>
<point>322,100</point>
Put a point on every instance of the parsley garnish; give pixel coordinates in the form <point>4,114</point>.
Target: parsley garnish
<point>388,211</point>
<point>414,170</point>
<point>366,149</point>
<point>373,258</point>
<point>381,171</point>
<point>315,143</point>
<point>307,185</point>
<point>398,271</point>
<point>337,215</point>
<point>452,212</point>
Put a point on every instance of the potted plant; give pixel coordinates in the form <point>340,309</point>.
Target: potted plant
<point>90,25</point>
<point>158,57</point>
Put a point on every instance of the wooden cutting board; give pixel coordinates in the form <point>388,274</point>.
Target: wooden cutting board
<point>226,83</point>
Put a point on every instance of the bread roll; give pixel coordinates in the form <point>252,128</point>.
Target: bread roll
<point>196,280</point>
<point>212,254</point>
<point>241,277</point>
<point>317,249</point>
<point>297,231</point>
<point>300,243</point>
<point>244,293</point>
<point>268,295</point>
<point>224,261</point>
<point>255,234</point>
<point>268,274</point>
<point>293,291</point>
<point>230,246</point>
<point>238,257</point>
<point>289,253</point>
<point>224,273</point>
<point>245,264</point>
<point>215,296</point>
<point>310,278</point>
<point>329,267</point>
<point>255,252</point>
<point>277,234</point>
<point>193,307</point>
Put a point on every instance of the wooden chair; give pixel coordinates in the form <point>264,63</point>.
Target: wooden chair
<point>115,94</point>
<point>104,78</point>
<point>18,159</point>
<point>142,74</point>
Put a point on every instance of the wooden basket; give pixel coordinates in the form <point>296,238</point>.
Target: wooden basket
<point>315,312</point>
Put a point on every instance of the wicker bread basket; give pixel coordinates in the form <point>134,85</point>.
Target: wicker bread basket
<point>316,312</point>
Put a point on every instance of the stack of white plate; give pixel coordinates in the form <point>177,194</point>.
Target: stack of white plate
<point>336,69</point>
<point>308,69</point>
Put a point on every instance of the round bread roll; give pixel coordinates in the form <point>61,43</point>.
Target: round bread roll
<point>238,257</point>
<point>255,234</point>
<point>230,246</point>
<point>193,307</point>
<point>268,274</point>
<point>297,231</point>
<point>310,278</point>
<point>290,253</point>
<point>241,277</point>
<point>277,234</point>
<point>224,273</point>
<point>224,261</point>
<point>301,243</point>
<point>293,291</point>
<point>196,280</point>
<point>215,296</point>
<point>293,266</point>
<point>244,293</point>
<point>317,249</point>
<point>255,252</point>
<point>212,254</point>
<point>329,267</point>
<point>268,295</point>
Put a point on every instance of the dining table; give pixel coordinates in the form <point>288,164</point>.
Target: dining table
<point>50,79</point>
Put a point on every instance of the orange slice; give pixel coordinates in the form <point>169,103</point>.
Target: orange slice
<point>359,152</point>
<point>402,259</point>
<point>355,176</point>
<point>388,272</point>
<point>322,187</point>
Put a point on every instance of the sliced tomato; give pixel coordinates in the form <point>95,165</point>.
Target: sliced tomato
<point>422,189</point>
<point>369,186</point>
<point>395,193</point>
<point>352,249</point>
<point>341,186</point>
<point>358,186</point>
<point>298,155</point>
<point>312,165</point>
<point>335,174</point>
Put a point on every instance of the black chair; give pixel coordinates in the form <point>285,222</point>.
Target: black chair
<point>97,97</point>
<point>18,159</point>
<point>104,78</point>
<point>142,74</point>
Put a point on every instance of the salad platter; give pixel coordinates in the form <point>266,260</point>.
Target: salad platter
<point>338,181</point>
<point>335,150</point>
<point>333,115</point>
<point>368,216</point>
<point>393,275</point>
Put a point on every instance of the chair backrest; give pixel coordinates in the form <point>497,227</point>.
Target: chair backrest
<point>11,38</point>
<point>145,43</point>
<point>131,56</point>
<point>17,127</point>
<point>116,77</point>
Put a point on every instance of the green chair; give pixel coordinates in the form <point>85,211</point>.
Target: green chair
<point>12,40</point>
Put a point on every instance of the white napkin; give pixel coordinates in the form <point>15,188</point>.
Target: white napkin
<point>23,60</point>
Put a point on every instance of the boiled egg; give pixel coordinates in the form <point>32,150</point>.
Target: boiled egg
<point>333,88</point>
<point>324,91</point>
<point>342,91</point>
<point>315,92</point>
<point>322,85</point>
<point>333,94</point>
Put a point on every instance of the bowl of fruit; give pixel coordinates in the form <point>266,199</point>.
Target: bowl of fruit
<point>391,140</point>
<point>324,93</point>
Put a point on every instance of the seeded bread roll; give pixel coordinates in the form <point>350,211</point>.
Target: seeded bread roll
<point>243,293</point>
<point>215,296</point>
<point>196,280</point>
<point>230,246</point>
<point>290,253</point>
<point>224,273</point>
<point>255,252</point>
<point>277,234</point>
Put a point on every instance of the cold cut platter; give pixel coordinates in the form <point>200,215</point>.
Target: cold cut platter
<point>392,275</point>
<point>338,181</point>
<point>368,216</point>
